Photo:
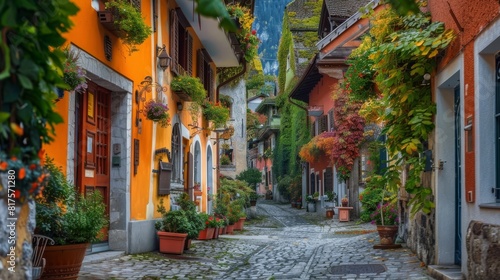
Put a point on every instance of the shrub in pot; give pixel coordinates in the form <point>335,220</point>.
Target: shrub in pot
<point>70,219</point>
<point>172,230</point>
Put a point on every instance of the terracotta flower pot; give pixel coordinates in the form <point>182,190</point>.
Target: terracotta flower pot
<point>221,230</point>
<point>224,230</point>
<point>230,229</point>
<point>172,243</point>
<point>330,213</point>
<point>206,234</point>
<point>187,244</point>
<point>239,224</point>
<point>387,234</point>
<point>63,261</point>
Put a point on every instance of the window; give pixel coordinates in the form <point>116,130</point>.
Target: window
<point>197,162</point>
<point>205,72</point>
<point>331,121</point>
<point>176,154</point>
<point>181,44</point>
<point>323,124</point>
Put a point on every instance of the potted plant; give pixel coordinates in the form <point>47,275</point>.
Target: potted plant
<point>215,112</point>
<point>126,22</point>
<point>311,203</point>
<point>157,112</point>
<point>189,88</point>
<point>206,232</point>
<point>331,197</point>
<point>253,198</point>
<point>173,229</point>
<point>386,218</point>
<point>196,220</point>
<point>74,75</point>
<point>70,219</point>
<point>224,160</point>
<point>344,201</point>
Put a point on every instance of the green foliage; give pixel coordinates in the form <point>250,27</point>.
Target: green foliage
<point>216,113</point>
<point>133,29</point>
<point>402,51</point>
<point>370,198</point>
<point>192,86</point>
<point>331,196</point>
<point>31,66</point>
<point>251,176</point>
<point>84,221</point>
<point>189,209</point>
<point>65,216</point>
<point>284,49</point>
<point>225,160</point>
<point>216,10</point>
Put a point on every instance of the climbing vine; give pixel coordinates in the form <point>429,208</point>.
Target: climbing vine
<point>402,50</point>
<point>349,131</point>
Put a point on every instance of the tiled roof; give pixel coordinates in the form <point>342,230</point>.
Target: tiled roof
<point>344,8</point>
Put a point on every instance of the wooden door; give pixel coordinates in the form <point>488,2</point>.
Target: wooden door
<point>94,143</point>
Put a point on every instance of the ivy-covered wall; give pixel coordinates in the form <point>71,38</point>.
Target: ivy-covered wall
<point>303,20</point>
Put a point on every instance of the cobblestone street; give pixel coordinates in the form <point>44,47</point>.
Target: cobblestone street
<point>283,243</point>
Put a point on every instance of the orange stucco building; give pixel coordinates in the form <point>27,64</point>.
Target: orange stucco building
<point>107,144</point>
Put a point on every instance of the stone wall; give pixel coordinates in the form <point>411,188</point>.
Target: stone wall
<point>483,250</point>
<point>418,232</point>
<point>238,141</point>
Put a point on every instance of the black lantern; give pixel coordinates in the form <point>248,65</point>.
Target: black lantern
<point>163,56</point>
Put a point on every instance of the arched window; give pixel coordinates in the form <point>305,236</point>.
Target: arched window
<point>197,162</point>
<point>176,154</point>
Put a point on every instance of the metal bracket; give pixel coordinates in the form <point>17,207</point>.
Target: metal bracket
<point>440,165</point>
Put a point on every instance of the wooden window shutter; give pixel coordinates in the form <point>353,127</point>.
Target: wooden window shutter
<point>323,124</point>
<point>189,54</point>
<point>201,67</point>
<point>331,123</point>
<point>210,83</point>
<point>190,175</point>
<point>313,129</point>
<point>174,42</point>
<point>164,174</point>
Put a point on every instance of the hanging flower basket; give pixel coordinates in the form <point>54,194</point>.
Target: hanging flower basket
<point>157,112</point>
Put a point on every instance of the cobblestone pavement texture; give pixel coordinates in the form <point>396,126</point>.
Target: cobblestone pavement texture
<point>281,243</point>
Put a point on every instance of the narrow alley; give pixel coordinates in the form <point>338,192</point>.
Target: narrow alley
<point>281,243</point>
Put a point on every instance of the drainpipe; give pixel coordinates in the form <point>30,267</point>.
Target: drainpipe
<point>307,124</point>
<point>217,99</point>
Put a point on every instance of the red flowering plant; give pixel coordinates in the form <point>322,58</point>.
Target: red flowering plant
<point>22,179</point>
<point>157,112</point>
<point>212,222</point>
<point>246,36</point>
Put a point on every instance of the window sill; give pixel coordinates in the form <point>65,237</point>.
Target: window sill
<point>494,205</point>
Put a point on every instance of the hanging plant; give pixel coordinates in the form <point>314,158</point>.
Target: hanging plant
<point>215,112</point>
<point>74,75</point>
<point>247,37</point>
<point>317,147</point>
<point>157,112</point>
<point>130,23</point>
<point>191,86</point>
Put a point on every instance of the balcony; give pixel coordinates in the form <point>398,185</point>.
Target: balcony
<point>221,48</point>
<point>315,110</point>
